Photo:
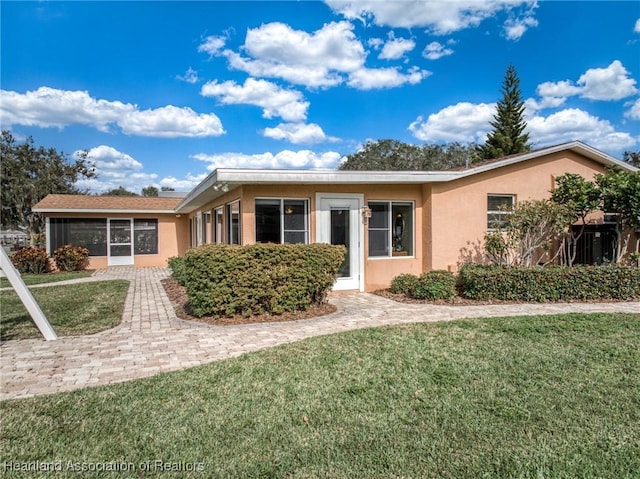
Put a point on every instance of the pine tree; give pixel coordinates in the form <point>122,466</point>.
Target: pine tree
<point>508,124</point>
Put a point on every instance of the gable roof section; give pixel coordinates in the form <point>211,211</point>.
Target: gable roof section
<point>223,179</point>
<point>106,204</point>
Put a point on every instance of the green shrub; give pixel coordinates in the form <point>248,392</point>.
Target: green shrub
<point>550,284</point>
<point>223,280</point>
<point>404,284</point>
<point>71,258</point>
<point>176,265</point>
<point>31,260</point>
<point>435,285</point>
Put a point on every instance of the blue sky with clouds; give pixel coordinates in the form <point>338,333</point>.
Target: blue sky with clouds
<point>162,93</point>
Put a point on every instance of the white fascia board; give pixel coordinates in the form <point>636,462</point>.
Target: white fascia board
<point>101,211</point>
<point>242,176</point>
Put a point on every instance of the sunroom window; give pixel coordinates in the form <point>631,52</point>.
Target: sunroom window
<point>280,220</point>
<point>391,230</point>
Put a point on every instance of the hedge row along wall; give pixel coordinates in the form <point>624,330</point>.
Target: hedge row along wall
<point>551,283</point>
<point>223,280</point>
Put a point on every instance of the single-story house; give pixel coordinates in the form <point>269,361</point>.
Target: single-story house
<point>392,222</point>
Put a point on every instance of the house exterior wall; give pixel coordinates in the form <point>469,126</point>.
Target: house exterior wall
<point>456,212</point>
<point>378,272</point>
<point>173,237</point>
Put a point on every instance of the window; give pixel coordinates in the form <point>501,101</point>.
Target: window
<point>390,229</point>
<point>219,225</point>
<point>498,207</point>
<point>145,236</point>
<point>90,233</point>
<point>282,221</point>
<point>233,223</point>
<point>206,227</point>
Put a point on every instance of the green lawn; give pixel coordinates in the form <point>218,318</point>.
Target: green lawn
<point>537,397</point>
<point>83,308</point>
<point>30,279</point>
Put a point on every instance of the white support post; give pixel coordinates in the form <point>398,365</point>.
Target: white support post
<point>26,297</point>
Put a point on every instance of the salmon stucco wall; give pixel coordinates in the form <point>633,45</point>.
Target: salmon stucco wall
<point>173,237</point>
<point>378,272</point>
<point>456,212</point>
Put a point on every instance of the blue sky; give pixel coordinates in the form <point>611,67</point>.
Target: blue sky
<point>162,93</point>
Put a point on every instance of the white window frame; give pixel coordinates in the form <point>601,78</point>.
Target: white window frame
<point>390,203</point>
<point>501,213</point>
<point>307,213</point>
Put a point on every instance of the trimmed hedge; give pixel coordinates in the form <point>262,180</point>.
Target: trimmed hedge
<point>176,265</point>
<point>432,285</point>
<point>224,280</point>
<point>550,283</point>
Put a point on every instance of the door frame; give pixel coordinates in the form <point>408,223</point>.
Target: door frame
<point>119,260</point>
<point>323,218</point>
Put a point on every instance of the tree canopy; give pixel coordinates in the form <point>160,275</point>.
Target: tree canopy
<point>390,154</point>
<point>632,157</point>
<point>120,191</point>
<point>150,191</point>
<point>30,173</point>
<point>508,136</point>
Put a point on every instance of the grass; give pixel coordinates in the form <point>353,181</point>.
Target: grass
<point>535,397</point>
<point>83,308</point>
<point>30,279</point>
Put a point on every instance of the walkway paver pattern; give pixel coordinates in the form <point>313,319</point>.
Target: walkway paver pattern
<point>152,340</point>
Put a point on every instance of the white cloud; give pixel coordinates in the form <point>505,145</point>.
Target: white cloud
<point>375,43</point>
<point>440,18</point>
<point>514,28</point>
<point>634,111</point>
<point>373,78</point>
<point>49,107</point>
<point>436,50</point>
<point>190,76</point>
<point>114,169</point>
<point>463,122</point>
<point>395,48</point>
<point>275,101</point>
<point>610,83</point>
<point>189,182</point>
<point>607,84</point>
<point>171,122</point>
<point>636,27</point>
<point>467,122</point>
<point>312,59</point>
<point>285,159</point>
<point>212,45</point>
<point>575,124</point>
<point>298,133</point>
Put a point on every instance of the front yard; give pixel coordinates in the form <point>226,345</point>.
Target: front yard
<point>553,396</point>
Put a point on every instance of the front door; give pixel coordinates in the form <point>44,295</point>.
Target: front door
<point>120,242</point>
<point>338,219</point>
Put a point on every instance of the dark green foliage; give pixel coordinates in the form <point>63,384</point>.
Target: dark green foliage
<point>121,191</point>
<point>433,285</point>
<point>176,265</point>
<point>404,284</point>
<point>396,155</point>
<point>632,157</point>
<point>507,136</point>
<point>29,174</point>
<point>31,260</point>
<point>150,191</point>
<point>224,280</point>
<point>71,258</point>
<point>550,284</point>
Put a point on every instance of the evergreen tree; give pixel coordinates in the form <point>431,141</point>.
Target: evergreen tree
<point>508,136</point>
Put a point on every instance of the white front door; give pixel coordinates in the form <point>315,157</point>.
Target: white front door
<point>120,233</point>
<point>338,223</point>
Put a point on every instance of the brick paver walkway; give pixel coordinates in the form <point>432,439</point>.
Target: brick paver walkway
<point>151,340</point>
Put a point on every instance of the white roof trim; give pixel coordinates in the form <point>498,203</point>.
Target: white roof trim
<point>100,210</point>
